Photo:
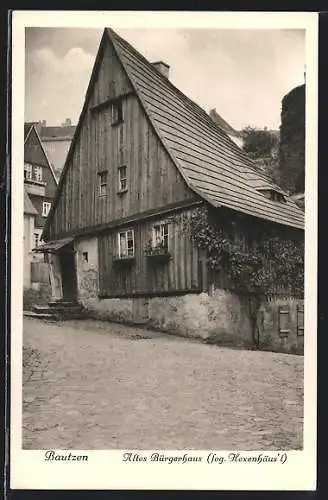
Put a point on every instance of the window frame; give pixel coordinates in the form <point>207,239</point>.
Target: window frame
<point>122,180</point>
<point>116,112</point>
<point>120,144</point>
<point>126,255</point>
<point>38,170</point>
<point>46,207</point>
<point>28,168</point>
<point>164,236</point>
<point>101,183</point>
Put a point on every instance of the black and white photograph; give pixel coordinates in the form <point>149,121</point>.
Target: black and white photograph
<point>163,296</point>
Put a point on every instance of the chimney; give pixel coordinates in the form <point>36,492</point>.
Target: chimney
<point>67,123</point>
<point>43,123</point>
<point>212,113</point>
<point>163,68</point>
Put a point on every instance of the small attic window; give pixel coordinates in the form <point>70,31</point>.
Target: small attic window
<point>273,195</point>
<point>116,112</point>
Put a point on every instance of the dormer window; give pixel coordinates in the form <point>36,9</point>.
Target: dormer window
<point>273,195</point>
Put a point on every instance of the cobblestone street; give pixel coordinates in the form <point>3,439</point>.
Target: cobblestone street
<point>97,385</point>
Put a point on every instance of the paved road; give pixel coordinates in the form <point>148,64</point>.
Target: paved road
<point>90,385</point>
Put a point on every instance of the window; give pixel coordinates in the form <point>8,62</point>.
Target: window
<point>273,195</point>
<point>28,169</point>
<point>284,318</point>
<point>116,110</point>
<point>102,183</point>
<point>36,239</point>
<point>126,244</point>
<point>38,173</point>
<point>45,208</point>
<point>120,144</point>
<point>300,320</point>
<point>161,236</point>
<point>85,256</point>
<point>122,179</point>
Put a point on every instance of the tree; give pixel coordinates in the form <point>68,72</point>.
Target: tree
<point>261,146</point>
<point>258,143</point>
<point>292,141</point>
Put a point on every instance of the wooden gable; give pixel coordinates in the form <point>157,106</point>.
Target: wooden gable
<point>33,151</point>
<point>35,155</point>
<point>210,162</point>
<point>100,148</point>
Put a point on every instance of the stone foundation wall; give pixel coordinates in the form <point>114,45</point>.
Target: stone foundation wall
<point>269,323</point>
<point>219,316</point>
<point>87,269</point>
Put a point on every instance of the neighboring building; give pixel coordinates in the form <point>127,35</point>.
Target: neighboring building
<point>230,131</point>
<point>56,142</point>
<point>30,214</point>
<point>143,158</point>
<point>39,190</point>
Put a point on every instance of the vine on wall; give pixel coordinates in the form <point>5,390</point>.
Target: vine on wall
<point>261,267</point>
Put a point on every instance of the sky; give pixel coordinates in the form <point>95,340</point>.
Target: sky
<point>244,74</point>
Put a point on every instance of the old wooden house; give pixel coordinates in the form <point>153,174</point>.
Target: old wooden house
<point>142,158</point>
<point>39,190</point>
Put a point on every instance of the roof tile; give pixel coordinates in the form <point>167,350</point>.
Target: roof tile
<point>211,163</point>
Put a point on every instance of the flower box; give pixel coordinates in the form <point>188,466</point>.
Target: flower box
<point>158,255</point>
<point>127,261</point>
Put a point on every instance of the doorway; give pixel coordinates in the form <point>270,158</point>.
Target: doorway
<point>68,273</point>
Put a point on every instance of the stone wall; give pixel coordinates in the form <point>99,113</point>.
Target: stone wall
<point>269,323</point>
<point>219,316</point>
<point>87,269</point>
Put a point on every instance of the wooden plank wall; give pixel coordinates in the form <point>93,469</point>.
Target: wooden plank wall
<point>153,180</point>
<point>182,273</point>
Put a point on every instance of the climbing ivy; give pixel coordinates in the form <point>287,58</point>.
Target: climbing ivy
<point>261,267</point>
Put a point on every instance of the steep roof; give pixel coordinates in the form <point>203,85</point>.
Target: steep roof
<point>27,129</point>
<point>210,162</point>
<point>29,208</point>
<point>212,165</point>
<point>28,126</point>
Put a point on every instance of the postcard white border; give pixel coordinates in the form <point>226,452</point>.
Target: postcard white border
<point>105,469</point>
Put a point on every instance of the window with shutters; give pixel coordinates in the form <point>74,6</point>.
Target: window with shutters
<point>284,327</point>
<point>300,321</point>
